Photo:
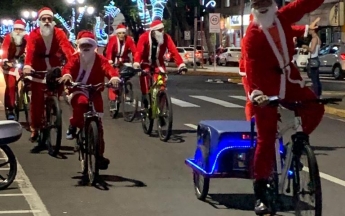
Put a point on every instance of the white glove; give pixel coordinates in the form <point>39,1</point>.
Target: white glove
<point>261,100</point>
<point>65,79</point>
<point>114,81</point>
<point>27,70</point>
<point>136,65</point>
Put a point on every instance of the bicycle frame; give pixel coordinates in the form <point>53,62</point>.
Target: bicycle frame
<point>155,88</point>
<point>282,170</point>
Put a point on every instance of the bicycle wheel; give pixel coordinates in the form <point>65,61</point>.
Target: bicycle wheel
<point>130,102</point>
<point>92,147</point>
<point>26,101</point>
<point>313,186</point>
<point>10,160</point>
<point>146,116</point>
<point>16,106</point>
<point>54,130</point>
<point>165,116</point>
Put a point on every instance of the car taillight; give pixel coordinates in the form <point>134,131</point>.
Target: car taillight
<point>342,56</point>
<point>186,55</point>
<point>246,136</point>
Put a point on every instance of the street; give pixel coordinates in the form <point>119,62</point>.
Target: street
<point>148,177</point>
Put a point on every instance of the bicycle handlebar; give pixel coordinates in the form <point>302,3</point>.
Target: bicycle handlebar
<point>276,101</point>
<point>88,87</point>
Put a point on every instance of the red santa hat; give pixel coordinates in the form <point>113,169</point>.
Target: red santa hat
<point>156,24</point>
<point>86,37</point>
<point>45,11</point>
<point>19,24</point>
<point>120,28</point>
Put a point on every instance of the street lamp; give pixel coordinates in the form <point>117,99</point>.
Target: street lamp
<point>30,16</point>
<point>74,21</point>
<point>90,10</point>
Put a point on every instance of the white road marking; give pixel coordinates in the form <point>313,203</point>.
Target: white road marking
<point>192,126</point>
<point>34,212</point>
<point>16,194</point>
<point>182,103</point>
<point>322,175</point>
<point>2,169</point>
<point>338,119</point>
<point>216,101</point>
<point>36,205</point>
<point>239,97</point>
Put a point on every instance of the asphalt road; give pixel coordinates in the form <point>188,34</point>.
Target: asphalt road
<point>147,177</point>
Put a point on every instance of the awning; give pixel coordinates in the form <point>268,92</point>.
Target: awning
<point>331,14</point>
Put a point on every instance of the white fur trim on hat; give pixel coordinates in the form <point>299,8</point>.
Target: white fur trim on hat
<point>156,27</point>
<point>120,30</point>
<point>46,12</point>
<point>87,41</point>
<point>18,26</point>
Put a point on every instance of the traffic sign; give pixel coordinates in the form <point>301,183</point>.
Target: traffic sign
<point>187,35</point>
<point>214,22</point>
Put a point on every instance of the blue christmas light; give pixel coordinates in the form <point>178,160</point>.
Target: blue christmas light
<point>102,37</point>
<point>81,14</point>
<point>66,26</point>
<point>158,9</point>
<point>211,4</point>
<point>111,10</point>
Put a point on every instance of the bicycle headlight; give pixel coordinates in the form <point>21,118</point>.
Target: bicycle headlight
<point>18,65</point>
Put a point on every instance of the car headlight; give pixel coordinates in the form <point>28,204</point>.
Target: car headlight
<point>18,65</point>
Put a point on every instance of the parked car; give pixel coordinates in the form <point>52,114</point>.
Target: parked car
<point>332,60</point>
<point>230,55</point>
<point>185,55</point>
<point>300,59</point>
<point>203,50</point>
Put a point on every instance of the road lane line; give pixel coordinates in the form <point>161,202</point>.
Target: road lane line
<point>192,126</point>
<point>239,97</point>
<point>3,169</point>
<point>182,103</point>
<point>322,175</point>
<point>34,212</point>
<point>16,194</point>
<point>216,101</point>
<point>34,200</point>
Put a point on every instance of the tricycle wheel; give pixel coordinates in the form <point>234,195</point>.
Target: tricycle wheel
<point>201,186</point>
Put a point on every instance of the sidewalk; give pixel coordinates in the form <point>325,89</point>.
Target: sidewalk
<point>333,109</point>
<point>211,71</point>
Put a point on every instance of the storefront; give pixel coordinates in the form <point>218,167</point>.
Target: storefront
<point>233,27</point>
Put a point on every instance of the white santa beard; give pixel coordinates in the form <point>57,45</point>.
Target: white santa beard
<point>46,30</point>
<point>265,20</point>
<point>87,56</point>
<point>18,39</point>
<point>159,36</point>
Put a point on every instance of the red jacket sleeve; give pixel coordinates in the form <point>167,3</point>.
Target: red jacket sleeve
<point>5,47</point>
<point>30,48</point>
<point>294,11</point>
<point>242,70</point>
<point>110,49</point>
<point>174,53</point>
<point>65,45</point>
<point>72,67</point>
<point>138,56</point>
<point>300,30</point>
<point>108,70</point>
<point>132,46</point>
<point>253,63</point>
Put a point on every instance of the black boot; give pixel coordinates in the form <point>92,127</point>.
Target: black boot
<point>260,197</point>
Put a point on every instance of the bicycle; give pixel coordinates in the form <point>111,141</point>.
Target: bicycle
<point>153,108</point>
<point>13,133</point>
<point>125,95</point>
<point>87,139</point>
<point>52,116</point>
<point>22,99</point>
<point>288,165</point>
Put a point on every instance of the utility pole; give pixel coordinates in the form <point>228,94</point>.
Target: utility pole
<point>202,36</point>
<point>242,14</point>
<point>195,35</point>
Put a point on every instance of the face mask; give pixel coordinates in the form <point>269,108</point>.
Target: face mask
<point>159,36</point>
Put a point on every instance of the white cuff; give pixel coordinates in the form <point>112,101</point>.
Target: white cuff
<point>28,67</point>
<point>254,94</point>
<point>181,65</point>
<point>110,62</point>
<point>115,78</point>
<point>67,75</point>
<point>4,60</point>
<point>242,73</point>
<point>136,64</point>
<point>127,64</point>
<point>306,31</point>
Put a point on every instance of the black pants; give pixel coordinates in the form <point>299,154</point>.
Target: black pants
<point>315,78</point>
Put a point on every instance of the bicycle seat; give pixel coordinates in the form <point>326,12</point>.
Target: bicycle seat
<point>10,131</point>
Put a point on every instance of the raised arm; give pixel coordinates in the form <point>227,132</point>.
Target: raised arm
<point>294,11</point>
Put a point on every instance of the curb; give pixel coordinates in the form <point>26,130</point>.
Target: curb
<point>208,73</point>
<point>335,111</point>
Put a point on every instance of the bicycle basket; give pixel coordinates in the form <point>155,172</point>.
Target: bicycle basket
<point>51,76</point>
<point>127,72</point>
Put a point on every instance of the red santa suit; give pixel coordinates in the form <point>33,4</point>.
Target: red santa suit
<point>42,55</point>
<point>117,52</point>
<point>92,72</point>
<point>145,54</point>
<point>298,31</point>
<point>12,50</point>
<point>268,54</point>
